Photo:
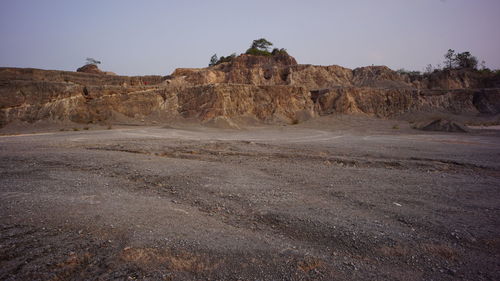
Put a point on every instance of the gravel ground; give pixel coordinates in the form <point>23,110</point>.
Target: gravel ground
<point>330,199</point>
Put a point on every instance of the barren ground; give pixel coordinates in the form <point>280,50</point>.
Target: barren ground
<point>336,198</point>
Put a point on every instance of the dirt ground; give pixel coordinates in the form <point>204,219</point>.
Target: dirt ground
<point>335,198</point>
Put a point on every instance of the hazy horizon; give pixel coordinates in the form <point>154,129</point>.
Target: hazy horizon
<point>155,37</point>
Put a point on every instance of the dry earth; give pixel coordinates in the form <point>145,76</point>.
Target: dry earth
<point>335,198</point>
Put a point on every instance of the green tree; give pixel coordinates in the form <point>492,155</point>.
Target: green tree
<point>259,47</point>
<point>277,51</point>
<point>226,59</point>
<point>466,60</point>
<point>213,60</point>
<point>261,44</point>
<point>257,52</point>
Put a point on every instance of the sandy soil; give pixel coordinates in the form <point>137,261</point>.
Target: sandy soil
<point>336,198</point>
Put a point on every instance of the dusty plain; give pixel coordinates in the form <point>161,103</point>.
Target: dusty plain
<point>334,198</point>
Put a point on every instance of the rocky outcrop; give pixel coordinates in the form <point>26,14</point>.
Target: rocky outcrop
<point>90,68</point>
<point>364,100</point>
<point>245,69</point>
<point>32,94</point>
<point>374,90</point>
<point>315,77</point>
<point>266,103</point>
<point>262,88</point>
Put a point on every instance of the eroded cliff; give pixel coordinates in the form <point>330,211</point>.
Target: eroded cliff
<point>267,89</point>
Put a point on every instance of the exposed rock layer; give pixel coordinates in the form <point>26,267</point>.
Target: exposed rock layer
<point>269,89</point>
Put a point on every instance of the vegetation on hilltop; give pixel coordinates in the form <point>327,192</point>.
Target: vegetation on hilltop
<point>453,61</point>
<point>259,47</point>
<point>214,60</point>
<point>460,60</point>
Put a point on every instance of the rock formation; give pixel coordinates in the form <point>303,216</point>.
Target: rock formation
<point>90,68</point>
<point>271,89</point>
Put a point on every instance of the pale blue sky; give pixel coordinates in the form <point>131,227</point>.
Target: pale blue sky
<point>155,37</point>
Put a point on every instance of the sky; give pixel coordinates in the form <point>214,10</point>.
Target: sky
<point>132,37</point>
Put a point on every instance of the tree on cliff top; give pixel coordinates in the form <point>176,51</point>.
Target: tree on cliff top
<point>92,61</point>
<point>261,44</point>
<point>449,58</point>
<point>213,60</point>
<point>259,47</point>
<point>460,60</point>
<point>466,60</point>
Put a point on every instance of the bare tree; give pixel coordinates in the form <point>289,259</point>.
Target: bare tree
<point>429,69</point>
<point>450,58</point>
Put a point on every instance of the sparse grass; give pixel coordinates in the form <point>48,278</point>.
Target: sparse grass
<point>62,129</point>
<point>295,121</point>
<point>395,251</point>
<point>440,250</point>
<point>110,127</point>
<point>86,128</point>
<point>310,263</point>
<point>76,129</point>
<point>395,127</point>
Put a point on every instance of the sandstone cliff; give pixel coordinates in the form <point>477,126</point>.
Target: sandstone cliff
<point>268,89</point>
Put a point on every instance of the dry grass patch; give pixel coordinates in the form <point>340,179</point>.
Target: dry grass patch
<point>182,261</point>
<point>309,264</point>
<point>440,250</point>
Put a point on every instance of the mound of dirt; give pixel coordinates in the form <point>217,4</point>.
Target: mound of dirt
<point>442,125</point>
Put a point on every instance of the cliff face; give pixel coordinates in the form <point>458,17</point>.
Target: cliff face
<point>31,94</point>
<point>245,69</point>
<point>267,103</point>
<point>269,89</point>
